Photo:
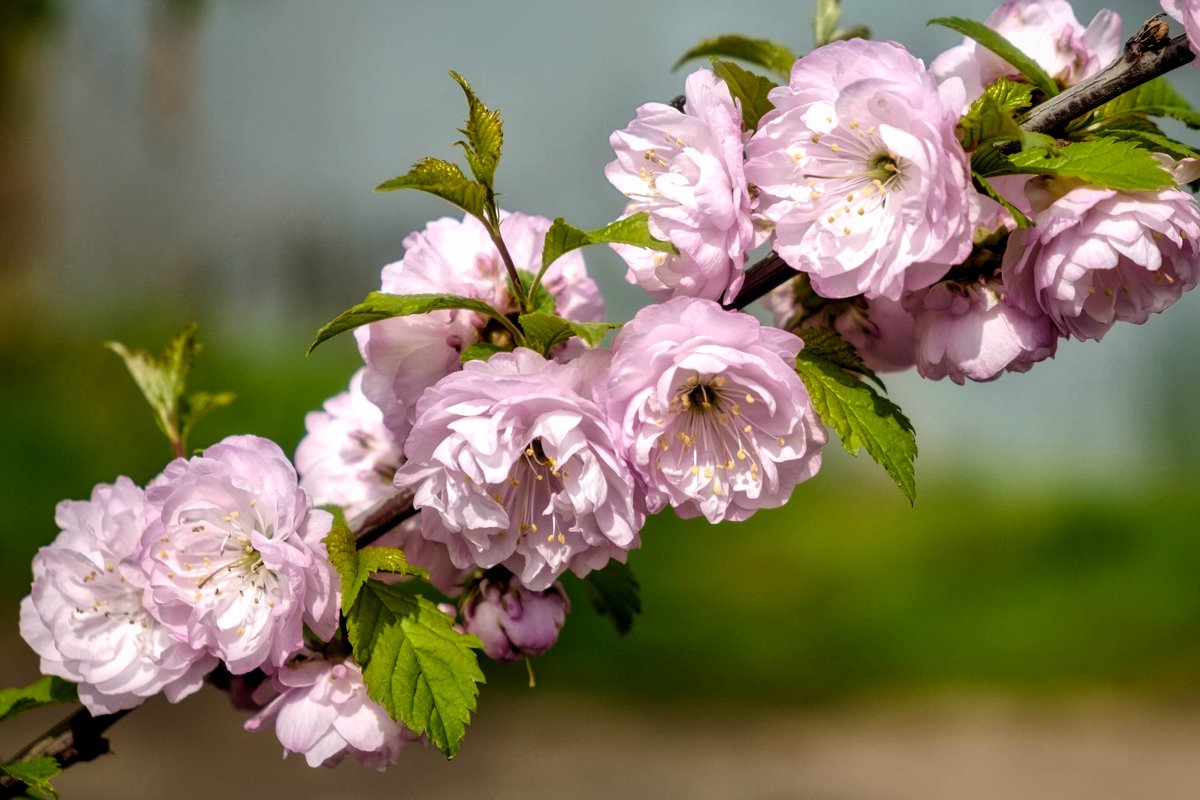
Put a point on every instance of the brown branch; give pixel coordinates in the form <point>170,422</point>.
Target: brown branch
<point>1148,54</point>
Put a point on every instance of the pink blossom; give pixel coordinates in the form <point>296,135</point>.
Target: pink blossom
<point>1187,13</point>
<point>349,459</point>
<point>1100,256</point>
<point>969,332</point>
<point>235,555</point>
<point>709,410</point>
<point>84,615</point>
<point>512,621</point>
<point>860,170</point>
<point>685,169</point>
<point>880,329</point>
<point>1044,30</point>
<point>513,463</point>
<point>406,355</point>
<point>322,711</point>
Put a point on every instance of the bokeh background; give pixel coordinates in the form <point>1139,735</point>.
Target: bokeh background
<point>1030,628</point>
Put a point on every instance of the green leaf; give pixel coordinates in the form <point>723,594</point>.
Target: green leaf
<point>415,665</point>
<point>613,591</point>
<point>545,331</point>
<point>748,88</point>
<point>1156,98</point>
<point>198,405</point>
<point>355,566</point>
<point>829,345</point>
<point>1106,162</point>
<point>862,418</point>
<point>485,135</point>
<point>1017,215</point>
<point>35,773</point>
<point>634,229</point>
<point>762,52</point>
<point>42,692</point>
<point>1150,139</point>
<point>825,17</point>
<point>991,118</point>
<point>480,351</point>
<point>1002,47</point>
<point>163,380</point>
<point>378,305</point>
<point>445,180</point>
<point>543,301</point>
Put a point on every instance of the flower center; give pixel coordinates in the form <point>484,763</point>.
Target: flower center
<point>707,435</point>
<point>528,494</point>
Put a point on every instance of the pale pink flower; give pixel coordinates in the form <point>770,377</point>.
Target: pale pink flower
<point>235,556</point>
<point>969,332</point>
<point>406,355</point>
<point>513,463</point>
<point>685,169</point>
<point>1100,256</point>
<point>709,410</point>
<point>514,622</point>
<point>349,459</point>
<point>322,711</point>
<point>84,615</point>
<point>860,170</point>
<point>1044,30</point>
<point>880,329</point>
<point>1187,13</point>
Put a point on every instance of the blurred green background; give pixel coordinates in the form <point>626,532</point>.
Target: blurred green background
<point>212,161</point>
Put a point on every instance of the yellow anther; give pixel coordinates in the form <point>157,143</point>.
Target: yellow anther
<point>816,137</point>
<point>748,428</point>
<point>741,454</point>
<point>749,397</point>
<point>835,149</point>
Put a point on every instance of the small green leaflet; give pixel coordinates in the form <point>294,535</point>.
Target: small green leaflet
<point>762,52</point>
<point>1016,213</point>
<point>1002,47</point>
<point>862,418</point>
<point>543,331</point>
<point>825,18</point>
<point>42,692</point>
<point>634,229</point>
<point>163,380</point>
<point>480,351</point>
<point>444,180</point>
<point>485,135</point>
<point>35,773</point>
<point>378,305</point>
<point>748,88</point>
<point>355,566</point>
<point>1105,162</point>
<point>422,671</point>
<point>543,300</point>
<point>1156,98</point>
<point>613,591</point>
<point>991,118</point>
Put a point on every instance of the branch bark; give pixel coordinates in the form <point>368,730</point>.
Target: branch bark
<point>1147,55</point>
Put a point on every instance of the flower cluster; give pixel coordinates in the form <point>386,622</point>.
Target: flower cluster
<point>526,455</point>
<point>220,560</point>
<point>858,176</point>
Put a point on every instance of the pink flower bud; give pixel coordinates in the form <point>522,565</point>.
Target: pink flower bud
<point>512,621</point>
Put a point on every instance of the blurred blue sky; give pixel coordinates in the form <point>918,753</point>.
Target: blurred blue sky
<point>229,158</point>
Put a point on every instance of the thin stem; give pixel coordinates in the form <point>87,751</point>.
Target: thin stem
<point>77,738</point>
<point>1148,54</point>
<point>493,224</point>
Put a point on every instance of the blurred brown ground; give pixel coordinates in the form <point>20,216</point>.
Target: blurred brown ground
<point>576,747</point>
